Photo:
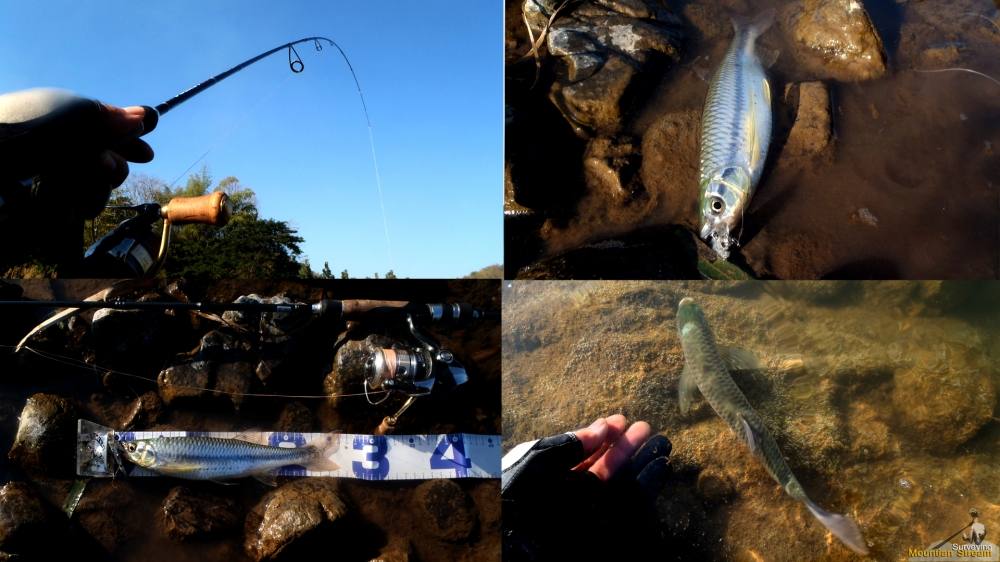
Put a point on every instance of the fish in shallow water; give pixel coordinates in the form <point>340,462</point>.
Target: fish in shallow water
<point>705,369</point>
<point>735,134</point>
<point>216,458</point>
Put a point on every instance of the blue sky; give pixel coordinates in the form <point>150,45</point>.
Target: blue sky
<point>430,72</point>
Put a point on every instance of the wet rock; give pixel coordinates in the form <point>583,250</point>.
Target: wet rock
<point>812,131</point>
<point>274,324</point>
<point>143,412</point>
<point>125,332</point>
<point>296,417</point>
<point>189,514</point>
<point>611,168</point>
<point>605,48</point>
<point>266,368</point>
<point>23,520</point>
<point>108,512</point>
<point>941,401</point>
<point>289,513</point>
<point>446,510</point>
<point>218,345</point>
<point>187,380</point>
<point>349,370</point>
<point>836,38</point>
<point>235,379</point>
<point>46,435</point>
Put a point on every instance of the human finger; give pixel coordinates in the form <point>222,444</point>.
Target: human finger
<point>621,450</point>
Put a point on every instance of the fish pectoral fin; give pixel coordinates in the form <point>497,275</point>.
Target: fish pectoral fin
<point>267,478</point>
<point>739,359</point>
<point>685,390</point>
<point>223,483</point>
<point>750,435</point>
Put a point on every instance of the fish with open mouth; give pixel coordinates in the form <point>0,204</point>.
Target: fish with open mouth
<point>705,370</point>
<point>217,458</point>
<point>735,134</point>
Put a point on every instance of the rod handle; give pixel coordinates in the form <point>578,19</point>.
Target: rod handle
<point>205,209</point>
<point>150,120</point>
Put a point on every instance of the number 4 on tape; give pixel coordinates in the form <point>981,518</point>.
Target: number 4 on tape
<point>458,462</point>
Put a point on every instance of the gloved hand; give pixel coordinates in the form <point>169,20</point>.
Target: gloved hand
<point>585,495</point>
<point>60,157</point>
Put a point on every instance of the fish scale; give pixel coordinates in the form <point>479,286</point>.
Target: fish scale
<point>735,135</point>
<point>706,370</point>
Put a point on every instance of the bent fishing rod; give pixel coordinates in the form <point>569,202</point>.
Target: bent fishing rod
<point>296,65</point>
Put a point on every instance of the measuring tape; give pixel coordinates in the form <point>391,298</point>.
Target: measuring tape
<point>363,457</point>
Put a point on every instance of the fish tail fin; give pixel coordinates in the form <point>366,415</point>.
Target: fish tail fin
<point>842,527</point>
<point>324,449</point>
<point>756,25</point>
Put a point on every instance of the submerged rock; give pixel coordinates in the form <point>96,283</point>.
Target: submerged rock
<point>942,402</point>
<point>287,514</point>
<point>46,435</point>
<point>812,132</point>
<point>611,168</point>
<point>144,411</point>
<point>605,47</point>
<point>836,38</point>
<point>446,510</point>
<point>191,514</point>
<point>23,521</point>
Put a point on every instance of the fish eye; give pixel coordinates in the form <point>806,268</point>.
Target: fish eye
<point>130,447</point>
<point>717,205</point>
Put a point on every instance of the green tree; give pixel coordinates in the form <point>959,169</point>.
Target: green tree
<point>344,275</point>
<point>305,270</point>
<point>390,274</point>
<point>327,273</point>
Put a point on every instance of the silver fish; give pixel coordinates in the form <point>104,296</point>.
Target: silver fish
<point>215,458</point>
<point>705,369</point>
<point>735,134</point>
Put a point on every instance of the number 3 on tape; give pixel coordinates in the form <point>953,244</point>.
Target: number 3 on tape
<point>375,447</point>
<point>459,462</point>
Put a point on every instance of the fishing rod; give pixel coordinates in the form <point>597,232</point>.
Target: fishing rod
<point>31,119</point>
<point>345,309</point>
<point>153,114</point>
<point>128,250</point>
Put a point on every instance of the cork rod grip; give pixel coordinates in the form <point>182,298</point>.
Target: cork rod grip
<point>205,209</point>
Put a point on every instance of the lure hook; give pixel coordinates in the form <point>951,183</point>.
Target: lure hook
<point>296,65</point>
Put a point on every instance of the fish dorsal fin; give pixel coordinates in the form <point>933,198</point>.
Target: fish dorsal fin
<point>739,359</point>
<point>686,388</point>
<point>750,435</point>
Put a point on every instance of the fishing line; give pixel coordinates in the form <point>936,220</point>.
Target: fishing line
<point>97,369</point>
<point>296,65</point>
<point>371,144</point>
<point>958,69</point>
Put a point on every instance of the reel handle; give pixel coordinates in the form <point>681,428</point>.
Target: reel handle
<point>205,209</point>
